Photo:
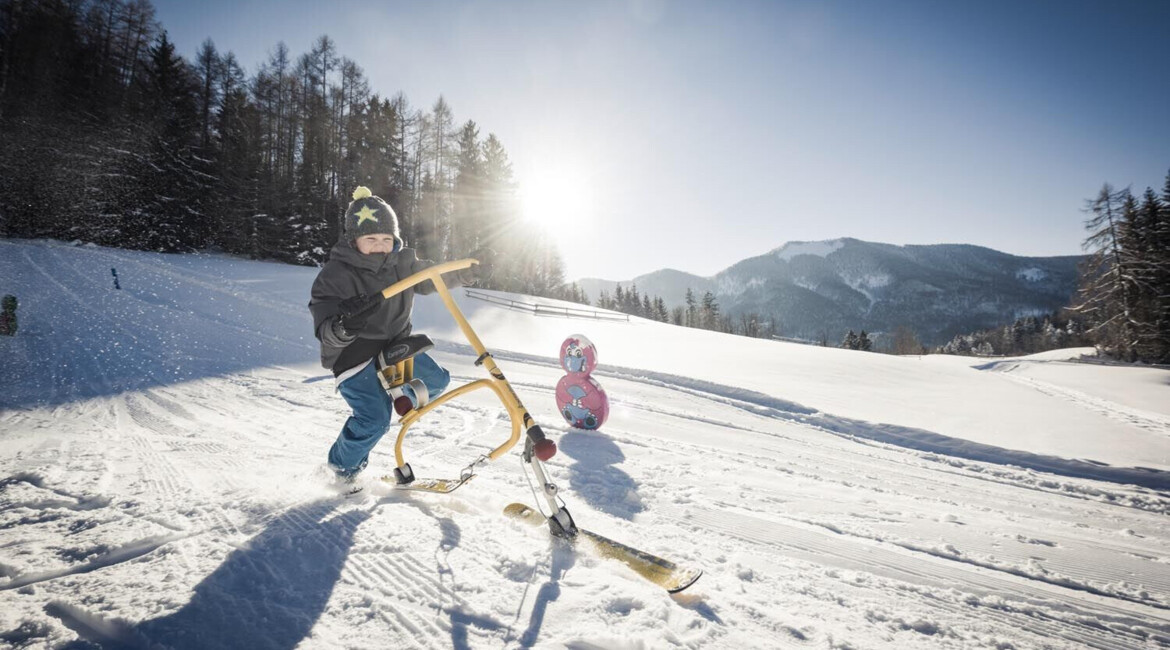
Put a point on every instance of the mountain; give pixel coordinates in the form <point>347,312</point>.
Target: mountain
<point>670,284</point>
<point>823,289</point>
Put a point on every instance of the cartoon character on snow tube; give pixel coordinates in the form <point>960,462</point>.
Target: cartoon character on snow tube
<point>580,399</point>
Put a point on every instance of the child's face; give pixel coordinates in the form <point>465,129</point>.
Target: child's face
<point>376,243</point>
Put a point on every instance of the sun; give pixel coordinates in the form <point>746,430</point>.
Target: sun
<point>555,197</point>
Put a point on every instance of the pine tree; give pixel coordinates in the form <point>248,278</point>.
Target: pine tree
<point>864,343</point>
<point>709,314</point>
<point>426,240</point>
<point>468,192</point>
<point>442,149</point>
<point>542,271</point>
<point>633,305</point>
<point>1104,295</point>
<point>850,342</point>
<point>308,225</point>
<point>209,68</point>
<point>1138,245</point>
<point>174,178</point>
<point>574,293</point>
<point>499,227</point>
<point>661,314</point>
<point>403,192</point>
<point>352,131</point>
<point>238,166</point>
<point>373,151</point>
<point>1161,246</point>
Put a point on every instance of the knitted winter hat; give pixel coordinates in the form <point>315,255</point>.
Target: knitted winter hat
<point>368,214</point>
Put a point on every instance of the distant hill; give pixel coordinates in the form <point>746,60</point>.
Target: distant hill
<point>825,288</point>
<point>670,284</point>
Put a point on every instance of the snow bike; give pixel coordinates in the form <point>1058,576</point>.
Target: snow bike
<point>396,371</point>
<point>537,447</point>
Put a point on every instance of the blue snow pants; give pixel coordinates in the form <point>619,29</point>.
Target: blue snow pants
<point>372,411</point>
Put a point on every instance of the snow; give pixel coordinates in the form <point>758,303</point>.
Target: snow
<point>814,248</point>
<point>865,284</point>
<point>805,283</point>
<point>1136,393</point>
<point>733,286</point>
<point>162,483</point>
<point>1032,274</point>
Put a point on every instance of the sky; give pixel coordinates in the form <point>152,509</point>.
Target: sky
<point>690,135</point>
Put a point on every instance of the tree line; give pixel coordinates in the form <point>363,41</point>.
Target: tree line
<point>1027,335</point>
<point>110,136</point>
<point>1124,293</point>
<point>698,312</point>
<point>1122,304</point>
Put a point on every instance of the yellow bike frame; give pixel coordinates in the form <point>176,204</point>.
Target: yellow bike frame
<point>521,420</point>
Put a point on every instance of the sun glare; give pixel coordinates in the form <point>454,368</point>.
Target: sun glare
<point>555,198</point>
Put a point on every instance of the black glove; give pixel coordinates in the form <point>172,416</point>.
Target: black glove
<point>356,311</point>
<point>478,274</point>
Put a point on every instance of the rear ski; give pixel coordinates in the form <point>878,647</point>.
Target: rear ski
<point>437,485</point>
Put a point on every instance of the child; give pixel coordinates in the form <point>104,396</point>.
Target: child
<point>354,324</point>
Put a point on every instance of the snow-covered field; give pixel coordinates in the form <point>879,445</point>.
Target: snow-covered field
<point>162,484</point>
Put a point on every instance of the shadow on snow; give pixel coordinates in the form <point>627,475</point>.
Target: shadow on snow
<point>451,535</point>
<point>267,595</point>
<point>175,318</point>
<point>595,476</point>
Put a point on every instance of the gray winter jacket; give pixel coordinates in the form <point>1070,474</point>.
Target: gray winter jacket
<point>348,273</point>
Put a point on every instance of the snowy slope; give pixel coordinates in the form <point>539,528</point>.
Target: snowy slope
<point>162,484</point>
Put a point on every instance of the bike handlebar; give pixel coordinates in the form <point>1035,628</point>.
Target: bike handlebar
<point>429,273</point>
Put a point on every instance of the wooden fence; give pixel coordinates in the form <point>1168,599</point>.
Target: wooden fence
<point>546,310</point>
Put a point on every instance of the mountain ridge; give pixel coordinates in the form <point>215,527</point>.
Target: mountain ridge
<point>821,289</point>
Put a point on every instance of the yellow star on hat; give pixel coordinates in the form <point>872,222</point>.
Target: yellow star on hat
<point>364,214</point>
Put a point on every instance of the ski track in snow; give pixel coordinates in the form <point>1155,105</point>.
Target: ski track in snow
<point>1135,417</point>
<point>181,514</point>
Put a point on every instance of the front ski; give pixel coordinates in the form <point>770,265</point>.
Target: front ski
<point>437,485</point>
<point>662,572</point>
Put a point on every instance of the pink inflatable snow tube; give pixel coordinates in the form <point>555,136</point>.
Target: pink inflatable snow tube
<point>580,399</point>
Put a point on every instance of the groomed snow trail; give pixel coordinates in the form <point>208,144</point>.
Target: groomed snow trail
<point>162,485</point>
